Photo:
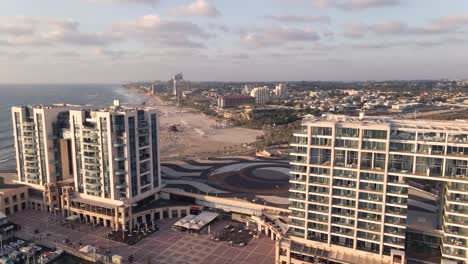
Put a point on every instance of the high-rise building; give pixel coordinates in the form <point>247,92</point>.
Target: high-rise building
<point>179,85</point>
<point>110,157</point>
<point>261,94</point>
<point>40,151</point>
<point>247,89</point>
<point>281,91</point>
<point>366,190</point>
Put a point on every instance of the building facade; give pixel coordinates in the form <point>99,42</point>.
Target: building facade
<point>281,91</point>
<point>40,152</point>
<point>179,85</point>
<point>349,188</point>
<point>95,163</point>
<point>261,94</point>
<point>235,101</point>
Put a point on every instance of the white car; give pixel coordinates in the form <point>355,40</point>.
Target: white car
<point>14,245</point>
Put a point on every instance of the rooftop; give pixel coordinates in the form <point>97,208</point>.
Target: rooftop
<point>160,203</point>
<point>119,108</point>
<point>456,125</point>
<point>236,97</point>
<point>4,187</point>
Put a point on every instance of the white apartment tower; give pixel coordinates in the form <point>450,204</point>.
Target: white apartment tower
<point>116,153</point>
<point>94,163</point>
<point>247,89</point>
<point>40,151</point>
<point>179,85</point>
<point>261,94</point>
<point>356,197</point>
<point>281,91</point>
<point>36,132</point>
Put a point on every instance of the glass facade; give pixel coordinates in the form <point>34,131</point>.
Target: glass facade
<point>155,148</point>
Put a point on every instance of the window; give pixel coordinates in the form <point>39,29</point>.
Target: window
<point>6,200</point>
<point>175,214</point>
<point>376,134</point>
<point>322,131</point>
<point>347,132</point>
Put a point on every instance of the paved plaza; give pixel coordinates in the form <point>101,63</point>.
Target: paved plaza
<point>164,246</point>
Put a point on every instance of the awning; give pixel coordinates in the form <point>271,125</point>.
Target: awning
<point>88,249</point>
<point>196,222</point>
<point>73,217</point>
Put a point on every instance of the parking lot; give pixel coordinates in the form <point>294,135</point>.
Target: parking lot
<point>164,246</point>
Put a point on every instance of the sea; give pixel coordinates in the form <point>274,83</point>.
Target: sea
<point>36,94</point>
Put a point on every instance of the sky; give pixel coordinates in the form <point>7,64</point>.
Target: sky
<point>115,41</point>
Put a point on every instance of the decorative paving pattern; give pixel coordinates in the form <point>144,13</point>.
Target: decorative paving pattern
<point>163,247</point>
<point>242,177</point>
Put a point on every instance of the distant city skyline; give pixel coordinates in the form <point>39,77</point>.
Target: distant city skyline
<point>115,41</point>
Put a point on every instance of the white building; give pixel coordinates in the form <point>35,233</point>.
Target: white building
<point>281,91</point>
<point>179,85</point>
<point>261,94</point>
<point>247,89</point>
<point>350,185</point>
<point>406,106</point>
<point>106,158</point>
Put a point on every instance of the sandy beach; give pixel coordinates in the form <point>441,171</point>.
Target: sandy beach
<point>199,135</point>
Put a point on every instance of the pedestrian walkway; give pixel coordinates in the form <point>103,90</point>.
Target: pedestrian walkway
<point>165,246</point>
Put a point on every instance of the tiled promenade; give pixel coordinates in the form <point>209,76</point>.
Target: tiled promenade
<point>164,246</point>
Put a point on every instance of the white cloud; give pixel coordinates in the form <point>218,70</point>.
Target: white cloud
<point>265,37</point>
<point>44,31</point>
<point>154,30</point>
<point>202,8</point>
<point>355,4</point>
<point>144,2</point>
<point>300,19</point>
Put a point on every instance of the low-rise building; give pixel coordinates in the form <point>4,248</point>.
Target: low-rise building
<point>13,197</point>
<point>235,101</point>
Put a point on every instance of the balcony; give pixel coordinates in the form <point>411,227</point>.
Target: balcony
<point>119,158</point>
<point>396,211</point>
<point>297,196</point>
<point>368,236</point>
<point>299,178</point>
<point>394,241</point>
<point>457,220</point>
<point>144,157</point>
<point>298,169</point>
<point>296,205</point>
<point>298,214</point>
<point>92,184</point>
<point>458,231</point>
<point>342,231</point>
<point>301,130</point>
<point>92,176</point>
<point>459,242</point>
<point>369,226</point>
<point>317,227</point>
<point>119,143</point>
<point>395,231</point>
<point>454,252</point>
<point>298,159</point>
<point>121,186</point>
<point>120,172</point>
<point>342,222</point>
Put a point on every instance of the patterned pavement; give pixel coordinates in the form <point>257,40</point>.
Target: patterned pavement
<point>165,246</point>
